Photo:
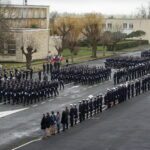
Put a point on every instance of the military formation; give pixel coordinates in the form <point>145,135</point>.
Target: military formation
<point>81,74</point>
<point>131,73</point>
<point>16,73</point>
<point>125,62</point>
<point>27,92</point>
<point>145,53</point>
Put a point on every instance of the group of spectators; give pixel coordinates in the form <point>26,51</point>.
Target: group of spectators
<point>53,123</point>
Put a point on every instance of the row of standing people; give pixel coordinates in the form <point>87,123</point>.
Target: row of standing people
<point>145,53</point>
<point>131,73</point>
<point>28,91</point>
<point>70,117</point>
<point>125,61</point>
<point>18,74</point>
<point>88,108</point>
<point>127,90</point>
<point>82,74</point>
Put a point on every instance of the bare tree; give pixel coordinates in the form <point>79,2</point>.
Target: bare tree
<point>142,12</point>
<point>148,15</point>
<point>53,17</point>
<point>58,44</point>
<point>92,30</point>
<point>6,14</point>
<point>4,26</point>
<point>29,48</point>
<point>117,35</point>
<point>73,37</point>
<point>62,27</point>
<point>106,40</point>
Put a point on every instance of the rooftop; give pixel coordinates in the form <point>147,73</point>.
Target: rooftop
<point>25,6</point>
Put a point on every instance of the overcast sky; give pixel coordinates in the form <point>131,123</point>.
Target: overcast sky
<point>82,6</point>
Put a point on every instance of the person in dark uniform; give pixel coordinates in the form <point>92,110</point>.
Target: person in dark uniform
<point>39,73</point>
<point>71,115</point>
<point>91,107</point>
<point>31,73</point>
<point>75,114</point>
<point>80,112</point>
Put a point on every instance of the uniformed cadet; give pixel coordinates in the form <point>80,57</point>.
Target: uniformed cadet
<point>91,107</point>
<point>71,115</point>
<point>81,74</point>
<point>125,61</point>
<point>75,114</point>
<point>80,112</point>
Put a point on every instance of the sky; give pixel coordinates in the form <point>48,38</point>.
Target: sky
<point>107,7</point>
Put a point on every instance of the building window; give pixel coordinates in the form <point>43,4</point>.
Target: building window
<point>12,47</point>
<point>131,26</point>
<point>109,25</point>
<point>125,26</point>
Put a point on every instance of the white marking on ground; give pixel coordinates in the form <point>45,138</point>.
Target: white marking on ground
<point>27,143</point>
<point>51,100</point>
<point>43,102</point>
<point>1,103</point>
<point>10,112</point>
<point>35,105</point>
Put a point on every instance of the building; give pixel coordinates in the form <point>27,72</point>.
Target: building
<point>29,24</point>
<point>129,25</point>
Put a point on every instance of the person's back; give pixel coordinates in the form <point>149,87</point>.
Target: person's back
<point>48,124</point>
<point>58,122</point>
<point>43,125</point>
<point>53,122</point>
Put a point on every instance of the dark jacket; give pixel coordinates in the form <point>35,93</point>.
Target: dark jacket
<point>48,121</point>
<point>64,118</point>
<point>43,123</point>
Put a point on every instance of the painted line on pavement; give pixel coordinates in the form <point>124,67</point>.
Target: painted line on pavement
<point>51,100</point>
<point>1,103</point>
<point>43,102</point>
<point>35,105</point>
<point>10,112</point>
<point>27,143</point>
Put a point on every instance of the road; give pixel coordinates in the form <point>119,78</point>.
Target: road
<point>19,124</point>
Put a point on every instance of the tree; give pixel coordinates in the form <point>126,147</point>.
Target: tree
<point>29,48</point>
<point>137,33</point>
<point>73,37</point>
<point>148,15</point>
<point>117,35</point>
<point>92,30</point>
<point>106,40</point>
<point>4,27</point>
<point>53,17</point>
<point>62,27</point>
<point>142,12</point>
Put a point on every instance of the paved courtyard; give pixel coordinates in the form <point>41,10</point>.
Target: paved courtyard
<point>123,127</point>
<point>19,124</point>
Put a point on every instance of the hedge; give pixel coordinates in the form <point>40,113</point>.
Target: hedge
<point>127,44</point>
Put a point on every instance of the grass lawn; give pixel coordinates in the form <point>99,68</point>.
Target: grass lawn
<point>83,51</point>
<point>18,65</point>
<point>84,54</point>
